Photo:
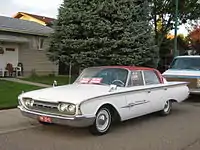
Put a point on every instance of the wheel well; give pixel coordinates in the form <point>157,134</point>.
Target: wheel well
<point>113,111</point>
<point>173,100</point>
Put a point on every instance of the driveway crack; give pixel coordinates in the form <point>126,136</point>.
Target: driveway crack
<point>190,144</point>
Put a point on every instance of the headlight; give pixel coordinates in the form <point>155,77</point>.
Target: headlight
<point>28,102</point>
<point>198,83</point>
<point>67,108</point>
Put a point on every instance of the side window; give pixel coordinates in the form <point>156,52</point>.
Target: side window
<point>135,79</point>
<point>151,78</point>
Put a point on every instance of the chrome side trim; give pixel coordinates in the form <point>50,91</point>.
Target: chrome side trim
<point>135,104</point>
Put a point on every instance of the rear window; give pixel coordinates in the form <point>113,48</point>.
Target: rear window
<point>151,78</point>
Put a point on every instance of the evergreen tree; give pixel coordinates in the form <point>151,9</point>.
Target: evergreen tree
<point>104,32</point>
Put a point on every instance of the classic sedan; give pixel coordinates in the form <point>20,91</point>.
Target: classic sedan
<point>103,95</point>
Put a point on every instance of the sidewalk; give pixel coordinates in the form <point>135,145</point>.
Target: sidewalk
<point>12,120</point>
<point>25,82</point>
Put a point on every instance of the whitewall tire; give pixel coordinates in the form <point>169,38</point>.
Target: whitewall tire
<point>167,108</point>
<point>102,122</point>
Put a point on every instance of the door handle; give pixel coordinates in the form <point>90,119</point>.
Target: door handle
<point>165,89</point>
<point>149,91</point>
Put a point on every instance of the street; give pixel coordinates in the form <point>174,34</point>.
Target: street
<point>178,131</point>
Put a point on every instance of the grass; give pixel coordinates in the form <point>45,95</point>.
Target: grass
<point>9,92</point>
<point>61,80</point>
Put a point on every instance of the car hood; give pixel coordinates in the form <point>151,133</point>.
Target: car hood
<point>74,93</point>
<point>181,73</point>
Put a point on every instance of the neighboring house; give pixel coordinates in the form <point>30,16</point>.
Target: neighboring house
<point>25,42</point>
<point>47,21</point>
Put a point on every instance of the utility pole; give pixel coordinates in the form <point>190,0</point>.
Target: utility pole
<point>175,30</point>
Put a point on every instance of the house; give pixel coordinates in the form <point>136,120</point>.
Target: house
<point>46,21</point>
<point>25,42</point>
<point>63,69</point>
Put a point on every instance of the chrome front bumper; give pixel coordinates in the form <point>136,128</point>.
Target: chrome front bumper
<point>194,91</point>
<point>76,121</point>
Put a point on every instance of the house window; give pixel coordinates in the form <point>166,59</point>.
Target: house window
<point>40,43</point>
<point>10,49</point>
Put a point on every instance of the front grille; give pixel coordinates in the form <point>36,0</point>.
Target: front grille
<point>192,81</point>
<point>45,107</point>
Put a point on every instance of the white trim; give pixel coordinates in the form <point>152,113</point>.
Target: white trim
<point>39,43</point>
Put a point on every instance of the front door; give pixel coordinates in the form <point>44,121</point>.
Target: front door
<point>11,55</point>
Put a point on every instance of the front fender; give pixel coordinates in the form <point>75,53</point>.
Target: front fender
<point>91,107</point>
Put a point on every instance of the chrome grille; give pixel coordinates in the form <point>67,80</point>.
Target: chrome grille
<point>45,107</point>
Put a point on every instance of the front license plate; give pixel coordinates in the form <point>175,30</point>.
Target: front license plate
<point>45,119</point>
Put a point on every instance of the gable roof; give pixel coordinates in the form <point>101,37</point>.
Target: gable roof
<point>46,20</point>
<point>23,26</point>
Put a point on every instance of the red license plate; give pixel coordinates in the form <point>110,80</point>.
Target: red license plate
<point>45,119</point>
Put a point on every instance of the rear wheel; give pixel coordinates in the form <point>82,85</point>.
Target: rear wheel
<point>102,122</point>
<point>167,108</point>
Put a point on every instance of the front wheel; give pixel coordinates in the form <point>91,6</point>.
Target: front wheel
<point>102,122</point>
<point>167,108</point>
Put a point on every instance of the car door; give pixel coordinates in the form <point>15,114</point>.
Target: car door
<point>155,93</point>
<point>137,98</point>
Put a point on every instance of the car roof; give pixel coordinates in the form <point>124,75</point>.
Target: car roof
<point>188,56</point>
<point>126,67</point>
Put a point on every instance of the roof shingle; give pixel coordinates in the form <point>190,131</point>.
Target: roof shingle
<point>23,26</point>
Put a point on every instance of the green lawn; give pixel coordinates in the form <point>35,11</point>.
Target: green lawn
<point>61,80</point>
<point>9,92</point>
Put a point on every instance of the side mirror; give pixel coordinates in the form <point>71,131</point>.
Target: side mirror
<point>55,83</point>
<point>112,87</point>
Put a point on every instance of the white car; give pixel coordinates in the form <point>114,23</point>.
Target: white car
<point>102,95</point>
<point>185,69</point>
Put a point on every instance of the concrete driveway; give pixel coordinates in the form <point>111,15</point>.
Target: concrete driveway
<point>178,131</point>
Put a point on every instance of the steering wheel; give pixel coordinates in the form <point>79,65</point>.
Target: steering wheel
<point>119,81</point>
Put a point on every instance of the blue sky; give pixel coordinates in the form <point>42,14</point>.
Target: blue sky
<point>47,8</point>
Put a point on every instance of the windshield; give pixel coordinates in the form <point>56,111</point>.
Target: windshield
<point>186,63</point>
<point>106,76</point>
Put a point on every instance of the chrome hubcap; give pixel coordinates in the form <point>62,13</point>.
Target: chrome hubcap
<point>167,106</point>
<point>103,121</point>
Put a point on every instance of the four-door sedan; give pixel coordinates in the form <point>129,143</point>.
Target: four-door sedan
<point>102,95</point>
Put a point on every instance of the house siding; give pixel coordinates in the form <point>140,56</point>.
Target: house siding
<point>33,59</point>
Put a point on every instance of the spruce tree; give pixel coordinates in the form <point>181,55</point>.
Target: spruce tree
<point>104,32</point>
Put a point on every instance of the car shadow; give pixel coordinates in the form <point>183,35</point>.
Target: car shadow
<point>193,99</point>
<point>149,117</point>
